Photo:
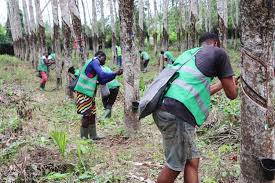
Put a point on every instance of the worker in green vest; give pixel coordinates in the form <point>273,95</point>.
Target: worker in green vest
<point>186,104</point>
<point>91,75</point>
<point>109,100</point>
<point>145,58</point>
<point>43,70</point>
<point>118,55</point>
<point>168,57</point>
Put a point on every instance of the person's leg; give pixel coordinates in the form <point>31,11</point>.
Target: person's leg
<point>44,79</point>
<point>113,96</point>
<point>84,131</point>
<point>145,65</point>
<point>191,171</point>
<point>105,101</point>
<point>167,175</point>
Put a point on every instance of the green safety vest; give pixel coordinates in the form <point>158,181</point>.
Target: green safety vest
<point>42,66</point>
<point>145,55</point>
<point>191,87</point>
<point>85,85</point>
<point>118,51</point>
<point>112,84</point>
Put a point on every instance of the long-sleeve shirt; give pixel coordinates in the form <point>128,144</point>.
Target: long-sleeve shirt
<point>94,68</point>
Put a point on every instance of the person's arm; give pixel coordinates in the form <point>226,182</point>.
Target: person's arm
<point>103,77</point>
<point>215,88</point>
<point>230,87</point>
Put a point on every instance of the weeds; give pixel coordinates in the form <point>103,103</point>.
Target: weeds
<point>61,140</point>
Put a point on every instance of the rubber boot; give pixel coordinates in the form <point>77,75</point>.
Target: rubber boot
<point>42,87</point>
<point>107,113</point>
<point>84,133</point>
<point>92,132</point>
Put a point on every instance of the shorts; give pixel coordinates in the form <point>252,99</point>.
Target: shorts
<point>178,139</point>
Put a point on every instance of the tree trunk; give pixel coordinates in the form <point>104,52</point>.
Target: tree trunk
<point>209,6</point>
<point>95,36</point>
<point>131,66</point>
<point>179,37</point>
<point>85,31</point>
<point>77,30</point>
<point>258,117</point>
<point>140,24</point>
<point>102,25</point>
<point>27,30</point>
<point>41,28</point>
<point>222,19</point>
<point>33,51</point>
<point>56,43</point>
<point>113,32</point>
<point>155,37</point>
<point>237,12</point>
<point>165,25</point>
<point>65,15</point>
<point>194,17</point>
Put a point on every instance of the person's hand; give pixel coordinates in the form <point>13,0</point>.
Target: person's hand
<point>236,81</point>
<point>119,72</point>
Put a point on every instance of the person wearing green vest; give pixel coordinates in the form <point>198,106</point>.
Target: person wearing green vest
<point>186,104</point>
<point>90,76</point>
<point>43,70</point>
<point>168,57</point>
<point>119,55</point>
<point>144,56</point>
<point>109,100</point>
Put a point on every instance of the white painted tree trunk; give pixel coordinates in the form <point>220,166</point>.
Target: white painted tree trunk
<point>131,65</point>
<point>257,110</point>
<point>222,18</point>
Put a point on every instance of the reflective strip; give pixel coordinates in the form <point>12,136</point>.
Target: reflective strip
<point>198,75</point>
<point>191,89</point>
<point>84,77</point>
<point>85,86</point>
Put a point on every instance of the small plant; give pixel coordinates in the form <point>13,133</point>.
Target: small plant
<point>61,139</point>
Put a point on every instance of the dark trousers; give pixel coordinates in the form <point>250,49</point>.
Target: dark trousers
<point>146,63</point>
<point>109,100</point>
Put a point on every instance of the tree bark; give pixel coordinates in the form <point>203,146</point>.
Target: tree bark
<point>95,36</point>
<point>165,25</point>
<point>131,65</point>
<point>56,43</point>
<point>41,28</point>
<point>27,30</point>
<point>257,120</point>
<point>85,31</point>
<point>77,30</point>
<point>65,15</point>
<point>140,24</point>
<point>33,56</point>
<point>113,32</point>
<point>155,35</point>
<point>193,20</point>
<point>222,19</point>
<point>102,22</point>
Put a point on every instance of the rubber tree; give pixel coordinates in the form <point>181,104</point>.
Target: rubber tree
<point>140,24</point>
<point>41,28</point>
<point>193,20</point>
<point>257,22</point>
<point>155,34</point>
<point>86,29</point>
<point>33,38</point>
<point>237,17</point>
<point>131,65</point>
<point>102,23</point>
<point>75,15</point>
<point>27,30</point>
<point>57,43</point>
<point>222,20</point>
<point>95,35</point>
<point>164,32</point>
<point>67,34</point>
<point>113,27</point>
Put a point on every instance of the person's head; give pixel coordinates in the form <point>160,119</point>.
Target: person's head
<point>162,52</point>
<point>208,38</point>
<point>46,55</point>
<point>101,57</point>
<point>140,51</point>
<point>71,70</point>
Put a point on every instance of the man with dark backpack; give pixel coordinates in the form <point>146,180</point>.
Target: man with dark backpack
<point>186,104</point>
